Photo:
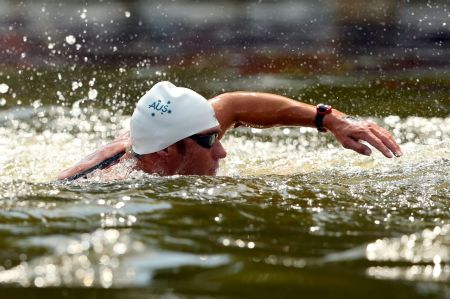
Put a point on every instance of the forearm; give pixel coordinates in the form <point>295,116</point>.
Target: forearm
<point>265,110</point>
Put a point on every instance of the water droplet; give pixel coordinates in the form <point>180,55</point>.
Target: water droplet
<point>60,96</point>
<point>437,259</point>
<point>39,282</point>
<point>76,85</point>
<point>106,277</point>
<point>92,95</point>
<point>314,228</point>
<point>120,248</point>
<point>112,235</point>
<point>127,14</point>
<point>240,243</point>
<point>70,39</point>
<point>83,14</point>
<point>119,205</point>
<point>4,88</point>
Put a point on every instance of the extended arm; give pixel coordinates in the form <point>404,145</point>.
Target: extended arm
<point>268,110</point>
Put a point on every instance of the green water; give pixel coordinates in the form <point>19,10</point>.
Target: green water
<point>119,88</point>
<point>291,214</point>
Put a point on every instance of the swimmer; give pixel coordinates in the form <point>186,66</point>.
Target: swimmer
<point>174,130</point>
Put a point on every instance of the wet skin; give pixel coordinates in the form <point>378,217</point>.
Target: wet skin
<point>197,160</point>
<point>193,160</point>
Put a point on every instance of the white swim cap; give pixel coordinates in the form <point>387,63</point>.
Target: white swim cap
<point>167,114</point>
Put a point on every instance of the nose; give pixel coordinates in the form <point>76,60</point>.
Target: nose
<point>218,151</point>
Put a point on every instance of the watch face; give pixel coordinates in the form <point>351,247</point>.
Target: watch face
<point>322,107</point>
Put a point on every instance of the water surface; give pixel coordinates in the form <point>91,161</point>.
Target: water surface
<point>290,213</point>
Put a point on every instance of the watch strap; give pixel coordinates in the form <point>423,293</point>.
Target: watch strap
<point>321,111</point>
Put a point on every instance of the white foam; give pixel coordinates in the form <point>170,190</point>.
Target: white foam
<point>37,152</point>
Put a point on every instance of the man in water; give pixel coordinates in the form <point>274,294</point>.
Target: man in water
<point>174,130</point>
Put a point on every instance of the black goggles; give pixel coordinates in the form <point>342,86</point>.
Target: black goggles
<point>206,141</point>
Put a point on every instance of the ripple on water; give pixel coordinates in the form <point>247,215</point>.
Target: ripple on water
<point>423,256</point>
<point>426,254</point>
<point>103,258</point>
<point>286,198</point>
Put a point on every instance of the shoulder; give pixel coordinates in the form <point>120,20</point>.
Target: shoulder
<point>104,153</point>
<point>224,110</point>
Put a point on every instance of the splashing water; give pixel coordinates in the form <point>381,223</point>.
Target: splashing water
<point>4,88</point>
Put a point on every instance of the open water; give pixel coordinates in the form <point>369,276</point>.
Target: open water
<point>291,214</point>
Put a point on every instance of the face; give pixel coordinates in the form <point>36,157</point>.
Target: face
<point>198,160</point>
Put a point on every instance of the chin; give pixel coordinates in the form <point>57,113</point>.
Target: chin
<point>211,172</point>
<point>214,169</point>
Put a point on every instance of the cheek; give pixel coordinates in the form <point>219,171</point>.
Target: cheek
<point>193,158</point>
<point>202,160</point>
<point>198,160</point>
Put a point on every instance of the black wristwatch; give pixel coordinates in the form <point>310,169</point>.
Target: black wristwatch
<point>321,111</point>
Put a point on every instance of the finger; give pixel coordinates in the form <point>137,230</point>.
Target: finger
<point>386,137</point>
<point>352,144</point>
<point>377,143</point>
<point>388,141</point>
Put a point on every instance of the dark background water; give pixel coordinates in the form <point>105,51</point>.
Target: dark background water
<point>371,58</point>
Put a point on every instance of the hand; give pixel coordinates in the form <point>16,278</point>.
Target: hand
<point>349,131</point>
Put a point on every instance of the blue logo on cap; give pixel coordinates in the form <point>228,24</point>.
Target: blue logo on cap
<point>158,106</point>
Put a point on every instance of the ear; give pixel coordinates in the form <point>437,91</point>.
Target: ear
<point>163,153</point>
<point>172,149</point>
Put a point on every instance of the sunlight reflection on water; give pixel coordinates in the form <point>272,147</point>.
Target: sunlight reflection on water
<point>287,198</point>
